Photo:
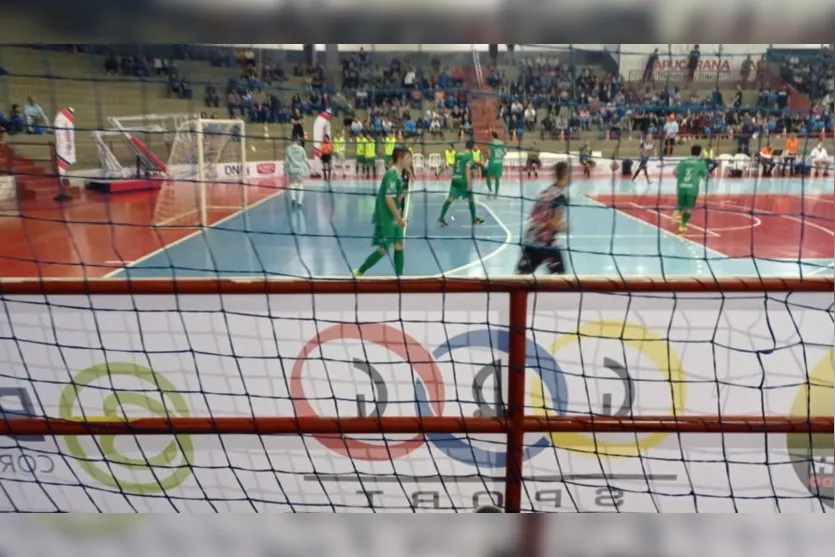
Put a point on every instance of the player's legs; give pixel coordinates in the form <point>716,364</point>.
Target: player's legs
<point>529,261</point>
<point>399,258</point>
<point>471,205</point>
<point>686,203</point>
<point>384,236</point>
<point>556,262</point>
<point>452,196</point>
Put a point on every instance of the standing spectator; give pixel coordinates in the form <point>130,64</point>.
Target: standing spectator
<point>746,72</point>
<point>650,67</point>
<point>297,130</point>
<point>670,135</point>
<point>759,80</point>
<point>693,63</point>
<point>35,116</point>
<point>233,101</point>
<point>158,67</point>
<point>783,99</point>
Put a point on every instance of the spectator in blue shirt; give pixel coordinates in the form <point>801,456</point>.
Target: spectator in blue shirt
<point>410,128</point>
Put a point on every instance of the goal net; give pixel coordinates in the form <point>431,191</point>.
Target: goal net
<point>207,171</point>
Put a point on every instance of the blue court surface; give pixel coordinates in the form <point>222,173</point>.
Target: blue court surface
<point>617,228</point>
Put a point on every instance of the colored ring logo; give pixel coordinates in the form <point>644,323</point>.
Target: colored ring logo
<point>170,468</point>
<point>812,455</point>
<point>538,358</point>
<point>428,389</point>
<point>657,350</point>
<point>394,340</point>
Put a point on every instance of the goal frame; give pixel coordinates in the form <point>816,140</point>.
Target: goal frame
<point>515,424</point>
<point>198,127</point>
<point>201,163</point>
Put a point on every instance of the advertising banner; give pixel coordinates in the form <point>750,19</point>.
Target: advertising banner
<point>91,357</point>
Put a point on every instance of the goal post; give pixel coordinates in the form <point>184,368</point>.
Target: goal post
<point>207,171</point>
<point>267,396</point>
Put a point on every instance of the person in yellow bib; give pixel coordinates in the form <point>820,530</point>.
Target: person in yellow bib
<point>339,152</point>
<point>370,157</point>
<point>390,143</point>
<point>478,166</point>
<point>449,161</point>
<point>360,154</point>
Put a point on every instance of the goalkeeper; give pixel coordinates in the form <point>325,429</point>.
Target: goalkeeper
<point>689,174</point>
<point>461,186</point>
<point>389,223</point>
<point>495,164</point>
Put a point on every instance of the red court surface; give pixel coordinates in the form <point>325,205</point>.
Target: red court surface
<point>96,234</point>
<point>767,226</point>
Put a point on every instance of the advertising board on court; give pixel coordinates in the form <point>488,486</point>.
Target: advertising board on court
<point>285,356</point>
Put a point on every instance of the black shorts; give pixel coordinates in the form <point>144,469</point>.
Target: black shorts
<point>534,257</point>
<point>326,159</point>
<point>297,132</point>
<point>533,163</point>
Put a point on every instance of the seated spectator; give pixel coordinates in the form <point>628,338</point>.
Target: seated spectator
<point>126,66</point>
<point>140,67</point>
<point>356,127</point>
<point>175,86</point>
<point>159,69</point>
<point>111,64</point>
<point>819,160</point>
<point>767,159</point>
<point>530,117</point>
<point>186,91</point>
<point>211,96</point>
<point>410,128</point>
<point>35,116</point>
<point>15,123</point>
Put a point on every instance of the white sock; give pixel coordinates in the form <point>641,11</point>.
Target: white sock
<point>293,193</point>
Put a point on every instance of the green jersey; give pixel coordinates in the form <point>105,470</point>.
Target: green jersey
<point>497,152</point>
<point>390,187</point>
<point>463,163</point>
<point>690,172</point>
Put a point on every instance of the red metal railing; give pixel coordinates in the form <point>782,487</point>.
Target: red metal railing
<point>515,424</point>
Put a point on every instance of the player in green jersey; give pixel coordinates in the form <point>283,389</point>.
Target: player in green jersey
<point>689,175</point>
<point>495,164</point>
<point>389,223</point>
<point>461,185</point>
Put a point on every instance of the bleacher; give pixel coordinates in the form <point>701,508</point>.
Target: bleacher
<point>63,79</point>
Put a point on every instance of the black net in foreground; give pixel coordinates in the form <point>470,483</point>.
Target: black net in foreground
<point>417,396</point>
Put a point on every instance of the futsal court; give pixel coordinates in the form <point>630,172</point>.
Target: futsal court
<point>777,227</point>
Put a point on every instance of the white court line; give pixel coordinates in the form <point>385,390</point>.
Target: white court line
<point>801,261</point>
<point>492,254</point>
<point>663,216</point>
<point>239,212</point>
<point>755,222</point>
<point>691,245</point>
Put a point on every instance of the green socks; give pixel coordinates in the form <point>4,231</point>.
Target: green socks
<point>472,209</point>
<point>375,257</point>
<point>489,185</point>
<point>685,218</point>
<point>370,262</point>
<point>498,181</point>
<point>398,262</point>
<point>445,209</point>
